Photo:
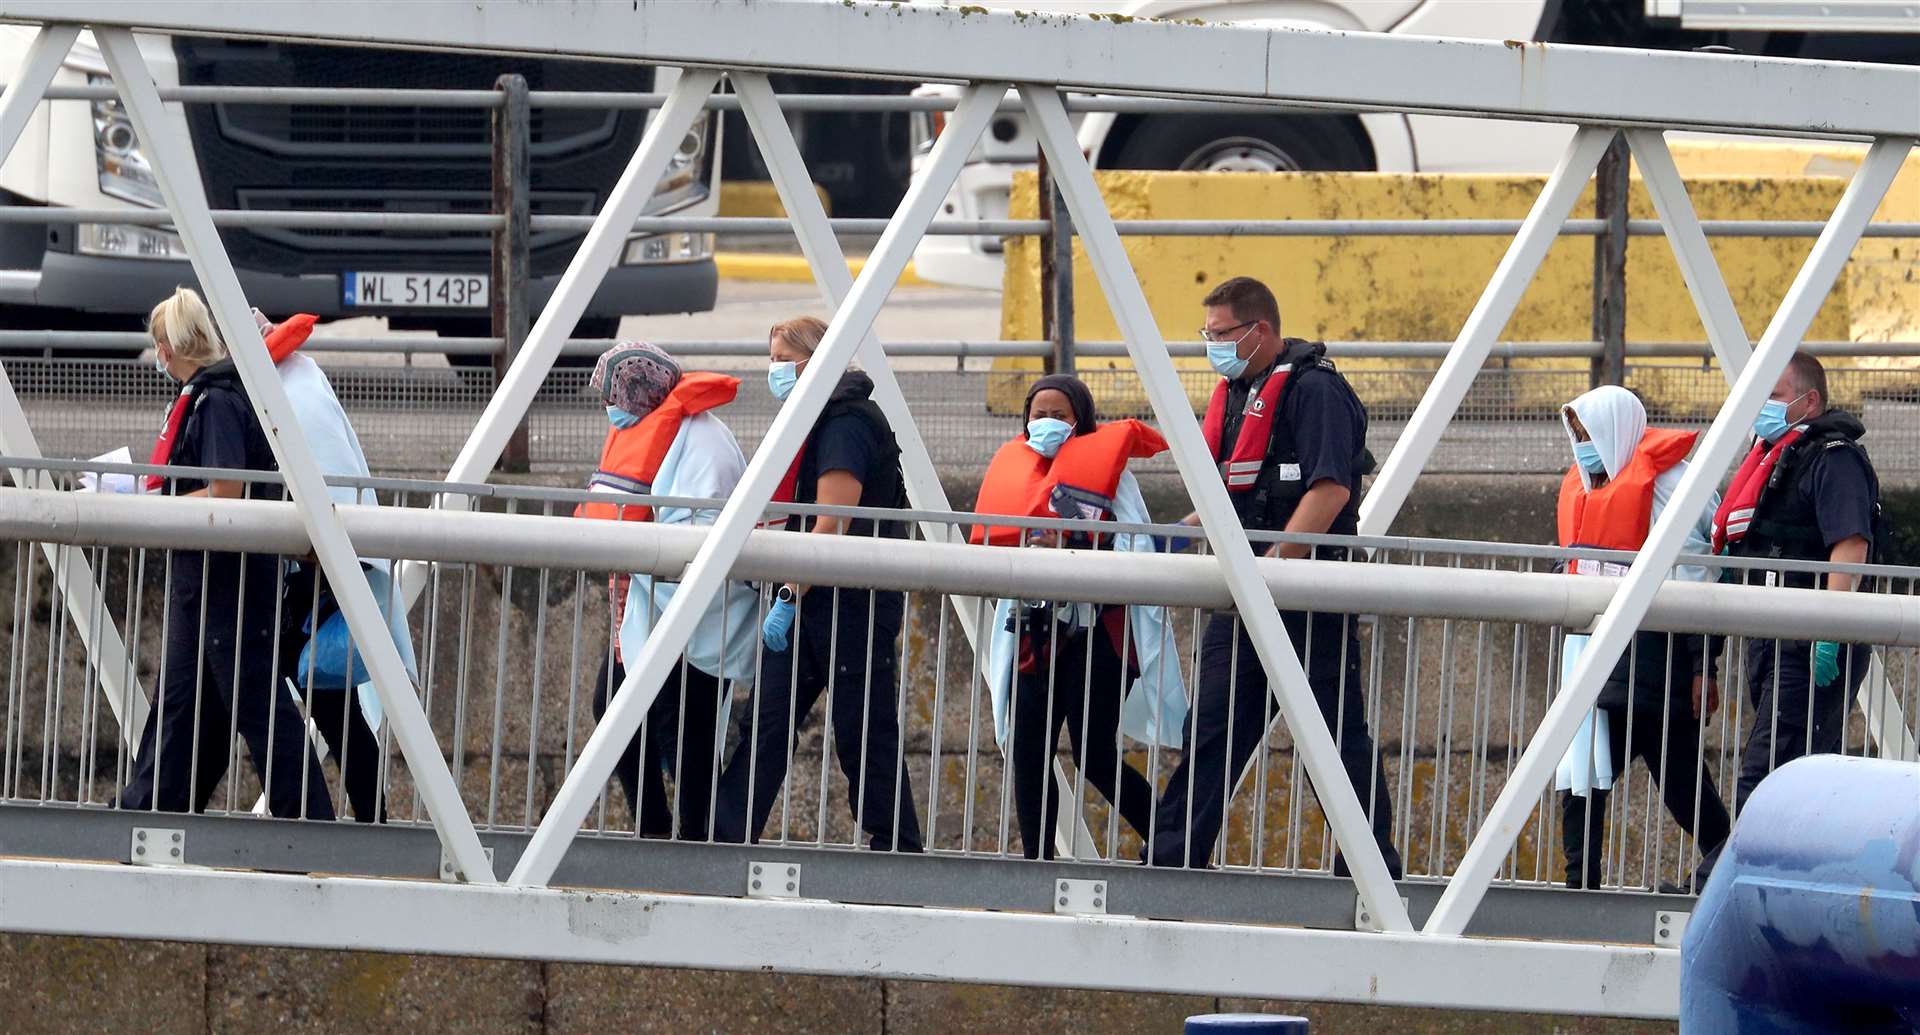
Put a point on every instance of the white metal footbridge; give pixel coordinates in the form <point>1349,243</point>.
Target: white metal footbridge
<point>499,834</point>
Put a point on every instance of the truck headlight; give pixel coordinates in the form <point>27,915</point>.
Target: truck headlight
<point>124,172</point>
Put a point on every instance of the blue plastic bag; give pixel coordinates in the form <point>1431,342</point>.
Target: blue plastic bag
<point>330,655</point>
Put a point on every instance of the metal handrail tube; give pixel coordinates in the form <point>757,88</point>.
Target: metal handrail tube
<point>463,537</point>
<point>135,341</point>
<point>546,494</point>
<point>325,96</point>
<point>296,219</point>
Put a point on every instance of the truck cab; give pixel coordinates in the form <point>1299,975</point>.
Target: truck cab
<point>327,158</point>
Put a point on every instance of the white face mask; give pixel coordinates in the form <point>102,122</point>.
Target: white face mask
<point>161,365</point>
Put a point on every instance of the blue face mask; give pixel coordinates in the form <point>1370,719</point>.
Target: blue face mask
<point>1587,455</point>
<point>1772,422</point>
<point>1046,434</point>
<point>1225,357</point>
<point>620,418</point>
<point>781,377</point>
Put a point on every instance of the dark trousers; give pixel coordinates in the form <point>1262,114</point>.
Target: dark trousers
<point>1791,717</point>
<point>184,748</point>
<point>335,709</point>
<point>1232,710</point>
<point>355,748</point>
<point>830,643</point>
<point>1084,692</point>
<point>1583,821</point>
<point>680,738</point>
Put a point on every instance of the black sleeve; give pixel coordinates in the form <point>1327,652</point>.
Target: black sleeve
<point>1842,491</point>
<point>1327,427</point>
<point>845,443</point>
<point>225,424</point>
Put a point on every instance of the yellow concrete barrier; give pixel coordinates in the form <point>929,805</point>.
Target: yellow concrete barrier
<point>1422,288</point>
<point>759,199</point>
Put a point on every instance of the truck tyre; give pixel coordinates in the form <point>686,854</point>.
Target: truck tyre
<point>1245,143</point>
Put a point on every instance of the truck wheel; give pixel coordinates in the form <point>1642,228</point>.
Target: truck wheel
<point>1245,143</point>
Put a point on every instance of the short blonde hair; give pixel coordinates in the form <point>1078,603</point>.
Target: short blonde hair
<point>184,324</point>
<point>801,332</point>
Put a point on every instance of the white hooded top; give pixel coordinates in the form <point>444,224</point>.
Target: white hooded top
<point>1615,422</point>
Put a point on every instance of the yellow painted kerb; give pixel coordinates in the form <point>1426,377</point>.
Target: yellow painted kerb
<point>788,268</point>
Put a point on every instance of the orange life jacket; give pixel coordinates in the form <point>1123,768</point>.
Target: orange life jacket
<point>1617,515</point>
<point>1021,482</point>
<point>630,459</point>
<point>285,337</point>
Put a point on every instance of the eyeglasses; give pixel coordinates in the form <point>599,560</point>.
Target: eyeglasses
<point>1223,334</point>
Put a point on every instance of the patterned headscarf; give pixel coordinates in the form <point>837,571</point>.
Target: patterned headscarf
<point>635,376</point>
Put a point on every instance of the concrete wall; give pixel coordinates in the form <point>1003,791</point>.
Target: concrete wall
<point>63,986</point>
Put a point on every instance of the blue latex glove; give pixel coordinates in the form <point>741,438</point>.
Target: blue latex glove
<point>1826,662</point>
<point>779,622</point>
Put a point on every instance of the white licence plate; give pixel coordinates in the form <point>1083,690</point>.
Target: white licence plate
<point>421,290</point>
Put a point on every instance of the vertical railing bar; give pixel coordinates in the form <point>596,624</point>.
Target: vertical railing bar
<point>536,688</point>
<point>934,766</point>
<point>129,739</point>
<point>56,650</point>
<point>499,687</point>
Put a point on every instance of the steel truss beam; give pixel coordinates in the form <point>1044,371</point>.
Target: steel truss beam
<point>1489,317</point>
<point>814,232</point>
<point>812,937</point>
<point>1698,268</point>
<point>921,42</point>
<point>1285,677</point>
<point>851,324</point>
<point>179,180</point>
<point>1715,454</point>
<point>597,253</point>
<point>106,649</point>
<point>939,879</point>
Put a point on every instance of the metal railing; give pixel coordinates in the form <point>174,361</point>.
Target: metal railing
<point>1457,652</point>
<point>548,867</point>
<point>414,418</point>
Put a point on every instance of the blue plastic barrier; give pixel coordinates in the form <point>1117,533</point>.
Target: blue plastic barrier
<point>1811,920</point>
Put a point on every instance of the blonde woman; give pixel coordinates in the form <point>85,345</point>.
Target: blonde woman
<point>217,667</point>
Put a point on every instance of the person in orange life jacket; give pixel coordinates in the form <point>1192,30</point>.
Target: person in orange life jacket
<point>217,668</point>
<point>666,440</point>
<point>1656,698</point>
<point>839,641</point>
<point>1101,670</point>
<point>345,710</point>
<point>1806,491</point>
<point>1290,438</point>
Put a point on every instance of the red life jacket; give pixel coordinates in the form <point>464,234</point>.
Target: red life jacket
<point>1022,483</point>
<point>630,458</point>
<point>1242,469</point>
<point>1618,515</point>
<point>282,340</point>
<point>1730,522</point>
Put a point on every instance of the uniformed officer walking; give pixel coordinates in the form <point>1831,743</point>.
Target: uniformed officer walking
<point>1805,492</point>
<point>1290,438</point>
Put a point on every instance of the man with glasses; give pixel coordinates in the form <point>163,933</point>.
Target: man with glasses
<point>1806,491</point>
<point>1289,436</point>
